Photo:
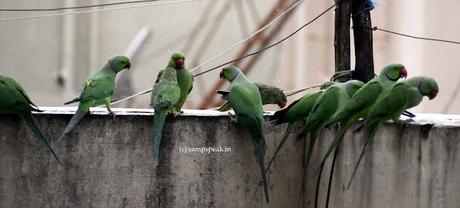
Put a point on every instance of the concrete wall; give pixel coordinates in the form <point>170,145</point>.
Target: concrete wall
<point>110,164</point>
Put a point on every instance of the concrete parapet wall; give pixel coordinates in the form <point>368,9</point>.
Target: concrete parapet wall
<point>110,164</point>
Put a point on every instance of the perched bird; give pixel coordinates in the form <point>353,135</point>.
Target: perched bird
<point>14,100</point>
<point>97,90</point>
<point>326,106</point>
<point>166,93</point>
<point>245,99</point>
<point>270,95</point>
<point>362,101</point>
<point>184,79</point>
<point>390,105</point>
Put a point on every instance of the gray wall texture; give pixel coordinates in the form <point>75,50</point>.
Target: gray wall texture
<point>110,164</point>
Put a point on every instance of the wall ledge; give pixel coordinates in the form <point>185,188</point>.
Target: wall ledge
<point>438,120</point>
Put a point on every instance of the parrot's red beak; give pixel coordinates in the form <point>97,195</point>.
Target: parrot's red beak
<point>432,95</point>
<point>221,75</point>
<point>282,104</point>
<point>404,73</point>
<point>180,63</point>
<point>128,66</point>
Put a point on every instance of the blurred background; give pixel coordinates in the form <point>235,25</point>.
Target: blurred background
<point>51,55</point>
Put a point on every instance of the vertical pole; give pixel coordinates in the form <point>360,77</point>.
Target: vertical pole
<point>342,37</point>
<point>364,69</point>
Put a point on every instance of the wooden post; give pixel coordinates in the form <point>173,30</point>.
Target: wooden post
<point>364,58</point>
<point>342,37</point>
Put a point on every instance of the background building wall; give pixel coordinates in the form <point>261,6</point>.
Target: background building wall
<point>37,51</point>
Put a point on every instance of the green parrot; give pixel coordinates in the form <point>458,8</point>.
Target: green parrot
<point>362,101</point>
<point>270,95</point>
<point>166,93</point>
<point>403,95</point>
<point>326,107</point>
<point>245,99</point>
<point>13,99</point>
<point>184,79</point>
<point>97,90</point>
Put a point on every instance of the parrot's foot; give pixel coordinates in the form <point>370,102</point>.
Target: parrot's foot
<point>177,113</point>
<point>232,118</point>
<point>404,122</point>
<point>114,116</point>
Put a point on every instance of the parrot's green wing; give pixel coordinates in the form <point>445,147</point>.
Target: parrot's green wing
<point>389,106</point>
<point>392,103</point>
<point>361,101</point>
<point>185,81</point>
<point>97,89</point>
<point>13,99</point>
<point>246,102</point>
<point>159,75</point>
<point>13,94</point>
<point>165,95</point>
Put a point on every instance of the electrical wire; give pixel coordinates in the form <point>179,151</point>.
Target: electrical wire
<point>409,36</point>
<point>269,46</point>
<point>294,5</point>
<point>95,10</point>
<point>76,7</point>
<point>224,52</point>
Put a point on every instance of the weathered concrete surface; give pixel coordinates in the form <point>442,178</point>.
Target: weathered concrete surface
<point>110,164</point>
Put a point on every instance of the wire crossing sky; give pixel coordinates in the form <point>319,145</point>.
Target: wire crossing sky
<point>250,54</point>
<point>76,7</point>
<point>157,3</point>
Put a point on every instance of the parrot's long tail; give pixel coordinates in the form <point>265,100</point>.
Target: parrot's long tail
<point>334,145</point>
<point>31,124</point>
<point>289,129</point>
<point>158,123</point>
<point>373,127</point>
<point>81,112</point>
<point>259,147</point>
<point>307,155</point>
<point>337,140</point>
<point>72,101</point>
